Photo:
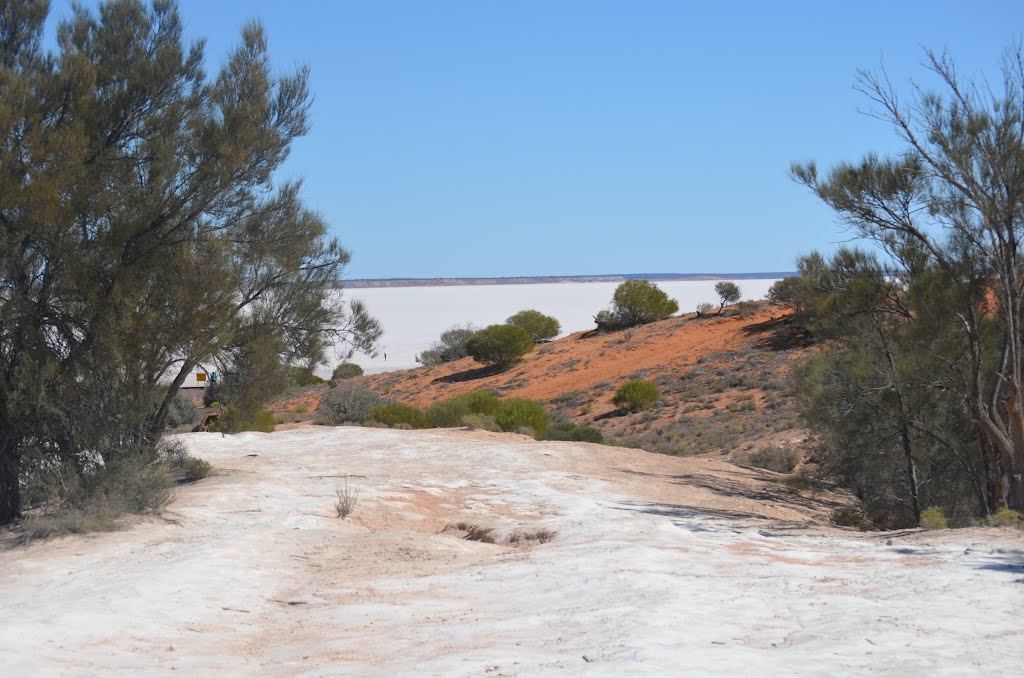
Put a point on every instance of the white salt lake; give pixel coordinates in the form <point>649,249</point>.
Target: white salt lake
<point>414,317</point>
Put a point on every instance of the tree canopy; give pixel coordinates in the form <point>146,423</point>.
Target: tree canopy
<point>636,302</point>
<point>142,233</point>
<point>539,326</point>
<point>930,366</point>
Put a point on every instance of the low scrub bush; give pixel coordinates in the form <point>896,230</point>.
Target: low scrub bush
<point>566,430</point>
<point>345,371</point>
<point>346,403</point>
<point>447,413</point>
<point>771,458</point>
<point>1005,517</point>
<point>932,518</point>
<point>515,413</point>
<point>94,499</point>
<point>636,395</point>
<point>451,412</point>
<point>182,466</point>
<point>396,414</point>
<point>233,419</point>
<point>704,309</point>
<point>850,518</point>
<point>481,422</point>
<point>798,483</point>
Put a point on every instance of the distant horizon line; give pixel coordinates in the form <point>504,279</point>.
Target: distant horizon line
<point>357,283</point>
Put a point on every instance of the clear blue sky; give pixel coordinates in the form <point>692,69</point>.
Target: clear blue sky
<point>555,137</point>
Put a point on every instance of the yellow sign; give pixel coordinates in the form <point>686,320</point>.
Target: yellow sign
<point>200,376</point>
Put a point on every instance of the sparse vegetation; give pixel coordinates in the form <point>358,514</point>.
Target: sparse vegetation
<point>346,495</point>
<point>61,500</point>
<point>772,458</point>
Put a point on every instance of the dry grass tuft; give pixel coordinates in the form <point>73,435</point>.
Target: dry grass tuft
<point>347,495</point>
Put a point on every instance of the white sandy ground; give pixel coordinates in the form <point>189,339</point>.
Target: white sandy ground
<point>660,566</point>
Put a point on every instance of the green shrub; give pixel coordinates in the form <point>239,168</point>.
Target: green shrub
<point>233,420</point>
<point>771,458</point>
<point>566,430</point>
<point>481,421</point>
<point>932,518</point>
<point>536,324</point>
<point>447,413</point>
<point>450,412</point>
<point>1005,517</point>
<point>396,414</point>
<point>196,469</point>
<point>451,346</point>
<point>182,412</point>
<point>481,402</point>
<point>636,302</point>
<point>515,413</point>
<point>636,395</point>
<point>746,307</point>
<point>788,290</point>
<point>344,403</point>
<point>345,371</point>
<point>501,345</point>
<point>728,293</point>
<point>303,376</point>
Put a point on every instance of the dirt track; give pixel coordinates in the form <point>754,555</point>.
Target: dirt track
<point>659,566</point>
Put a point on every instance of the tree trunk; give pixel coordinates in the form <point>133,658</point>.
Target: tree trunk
<point>157,423</point>
<point>911,466</point>
<point>10,466</point>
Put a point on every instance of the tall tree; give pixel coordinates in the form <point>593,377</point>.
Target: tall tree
<point>952,203</point>
<point>141,230</point>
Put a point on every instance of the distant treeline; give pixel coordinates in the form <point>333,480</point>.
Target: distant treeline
<point>528,280</point>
